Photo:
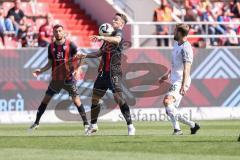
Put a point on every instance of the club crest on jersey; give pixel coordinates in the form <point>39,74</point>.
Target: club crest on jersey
<point>60,55</point>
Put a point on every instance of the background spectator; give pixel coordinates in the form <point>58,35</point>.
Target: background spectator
<point>208,17</point>
<point>6,26</point>
<point>18,18</point>
<point>45,32</point>
<point>235,8</point>
<point>29,37</point>
<point>162,14</point>
<point>231,41</point>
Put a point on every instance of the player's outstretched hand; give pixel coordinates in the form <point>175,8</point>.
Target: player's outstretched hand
<point>95,38</point>
<point>182,90</point>
<point>164,78</point>
<point>36,73</point>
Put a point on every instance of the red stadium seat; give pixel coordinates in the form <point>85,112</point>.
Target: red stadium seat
<point>10,43</point>
<point>7,6</point>
<point>27,8</point>
<point>42,9</point>
<point>77,23</point>
<point>40,22</point>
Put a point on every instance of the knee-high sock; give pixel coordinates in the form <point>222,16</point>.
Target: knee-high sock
<point>172,113</point>
<point>95,110</point>
<point>182,118</point>
<point>41,110</point>
<point>126,113</point>
<point>82,113</point>
<point>176,116</point>
<point>185,120</point>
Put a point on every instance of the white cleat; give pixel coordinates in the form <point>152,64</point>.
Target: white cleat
<point>34,126</point>
<point>131,130</point>
<point>92,129</point>
<point>86,129</point>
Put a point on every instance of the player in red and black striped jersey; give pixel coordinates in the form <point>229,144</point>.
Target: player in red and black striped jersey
<point>110,73</point>
<point>64,71</point>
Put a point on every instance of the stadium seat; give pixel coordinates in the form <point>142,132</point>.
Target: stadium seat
<point>11,43</point>
<point>39,22</point>
<point>7,6</point>
<point>27,8</point>
<point>41,9</point>
<point>77,22</point>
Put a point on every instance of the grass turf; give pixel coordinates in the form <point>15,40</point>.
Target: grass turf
<point>216,140</point>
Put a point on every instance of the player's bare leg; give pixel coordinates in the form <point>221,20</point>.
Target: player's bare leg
<point>76,100</point>
<point>125,111</point>
<point>40,111</point>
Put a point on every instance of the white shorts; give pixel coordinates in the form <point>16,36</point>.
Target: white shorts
<point>174,90</point>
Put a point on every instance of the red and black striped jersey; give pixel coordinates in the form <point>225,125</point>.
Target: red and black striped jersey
<point>111,54</point>
<point>62,60</point>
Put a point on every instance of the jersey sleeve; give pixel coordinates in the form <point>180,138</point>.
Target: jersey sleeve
<point>49,53</point>
<point>119,33</point>
<point>187,54</point>
<point>73,49</point>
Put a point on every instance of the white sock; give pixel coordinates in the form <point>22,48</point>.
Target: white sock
<point>130,126</point>
<point>184,120</point>
<point>172,113</point>
<point>94,125</point>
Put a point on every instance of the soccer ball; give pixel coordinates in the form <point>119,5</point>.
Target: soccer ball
<point>106,29</point>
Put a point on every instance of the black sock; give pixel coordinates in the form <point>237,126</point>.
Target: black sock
<point>126,113</point>
<point>95,110</point>
<point>41,110</point>
<point>82,113</point>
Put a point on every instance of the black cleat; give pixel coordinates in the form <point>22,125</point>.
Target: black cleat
<point>195,129</point>
<point>239,138</point>
<point>34,126</point>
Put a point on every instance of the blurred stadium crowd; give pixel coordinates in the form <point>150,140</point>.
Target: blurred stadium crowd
<point>18,30</point>
<point>15,26</point>
<point>208,11</point>
<point>29,23</point>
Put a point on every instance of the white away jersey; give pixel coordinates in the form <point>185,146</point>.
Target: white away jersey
<point>180,54</point>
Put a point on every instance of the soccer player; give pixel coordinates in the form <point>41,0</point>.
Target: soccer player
<point>182,59</point>
<point>64,72</point>
<point>110,73</point>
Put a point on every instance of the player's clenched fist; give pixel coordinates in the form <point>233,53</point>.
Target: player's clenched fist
<point>36,73</point>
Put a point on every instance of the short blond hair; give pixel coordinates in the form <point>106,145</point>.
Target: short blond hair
<point>183,28</point>
<point>123,16</point>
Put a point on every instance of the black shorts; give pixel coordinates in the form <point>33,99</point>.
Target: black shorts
<point>55,87</point>
<point>104,82</point>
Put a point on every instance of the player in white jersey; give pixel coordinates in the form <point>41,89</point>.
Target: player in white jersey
<point>182,58</point>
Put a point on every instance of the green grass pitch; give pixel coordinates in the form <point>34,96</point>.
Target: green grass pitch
<point>217,140</point>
